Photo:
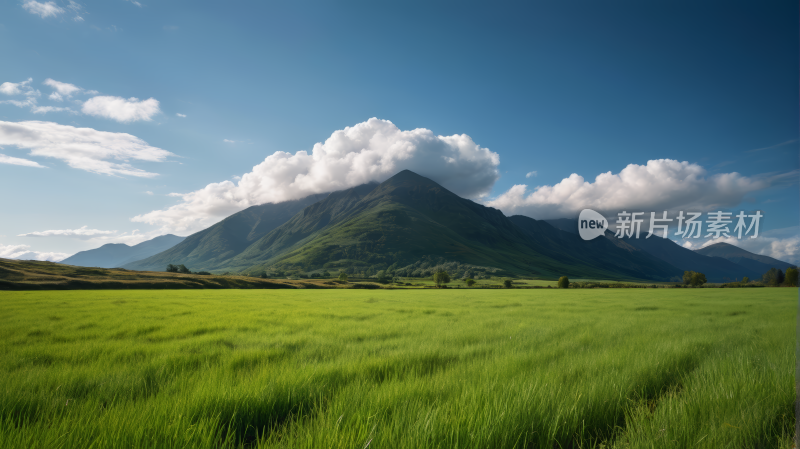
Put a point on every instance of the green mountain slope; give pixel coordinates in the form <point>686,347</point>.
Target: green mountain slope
<point>757,263</point>
<point>599,253</point>
<point>209,248</point>
<point>409,217</point>
<point>112,255</point>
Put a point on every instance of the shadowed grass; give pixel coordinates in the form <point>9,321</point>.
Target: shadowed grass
<point>392,368</point>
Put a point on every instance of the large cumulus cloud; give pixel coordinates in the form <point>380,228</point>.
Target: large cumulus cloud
<point>370,151</point>
<point>660,185</point>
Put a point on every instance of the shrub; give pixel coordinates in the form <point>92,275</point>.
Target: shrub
<point>563,282</point>
<point>343,276</point>
<point>470,282</point>
<point>746,279</point>
<point>507,283</point>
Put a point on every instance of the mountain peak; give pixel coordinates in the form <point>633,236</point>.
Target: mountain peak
<point>408,176</point>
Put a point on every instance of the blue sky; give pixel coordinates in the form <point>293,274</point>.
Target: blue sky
<point>554,88</point>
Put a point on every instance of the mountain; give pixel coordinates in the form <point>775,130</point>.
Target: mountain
<point>754,262</point>
<point>568,247</point>
<point>209,248</point>
<point>113,255</point>
<point>716,269</point>
<point>408,218</point>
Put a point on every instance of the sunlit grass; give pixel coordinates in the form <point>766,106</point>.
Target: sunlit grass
<point>632,368</point>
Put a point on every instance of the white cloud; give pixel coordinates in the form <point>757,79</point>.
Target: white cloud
<point>531,174</point>
<point>229,141</point>
<point>23,87</point>
<point>82,148</point>
<point>31,94</point>
<point>135,3</point>
<point>81,233</point>
<point>181,115</point>
<point>11,88</point>
<point>76,8</point>
<point>23,252</point>
<point>61,90</point>
<point>148,192</point>
<point>19,161</point>
<point>661,185</point>
<point>46,109</point>
<point>370,151</point>
<point>43,10</point>
<point>120,109</point>
<point>65,89</point>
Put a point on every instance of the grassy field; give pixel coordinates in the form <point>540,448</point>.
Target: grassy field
<point>627,368</point>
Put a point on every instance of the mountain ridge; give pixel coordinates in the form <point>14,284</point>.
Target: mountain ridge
<point>113,255</point>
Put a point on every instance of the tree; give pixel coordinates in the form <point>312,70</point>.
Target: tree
<point>172,268</point>
<point>182,269</point>
<point>698,279</point>
<point>507,283</point>
<point>326,274</point>
<point>746,279</point>
<point>441,278</point>
<point>774,277</point>
<point>470,282</point>
<point>693,278</point>
<point>263,274</point>
<point>791,277</point>
<point>343,276</point>
<point>383,278</point>
<point>563,282</point>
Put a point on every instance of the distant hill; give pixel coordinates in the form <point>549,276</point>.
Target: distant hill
<point>112,255</point>
<point>601,253</point>
<point>211,247</point>
<point>716,269</point>
<point>755,262</point>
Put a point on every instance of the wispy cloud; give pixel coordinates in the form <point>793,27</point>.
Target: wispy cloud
<point>19,161</point>
<point>23,252</point>
<point>531,174</point>
<point>181,115</point>
<point>43,10</point>
<point>773,146</point>
<point>61,90</point>
<point>82,233</point>
<point>82,148</point>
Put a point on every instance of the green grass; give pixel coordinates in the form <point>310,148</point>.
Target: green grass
<point>627,368</point>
